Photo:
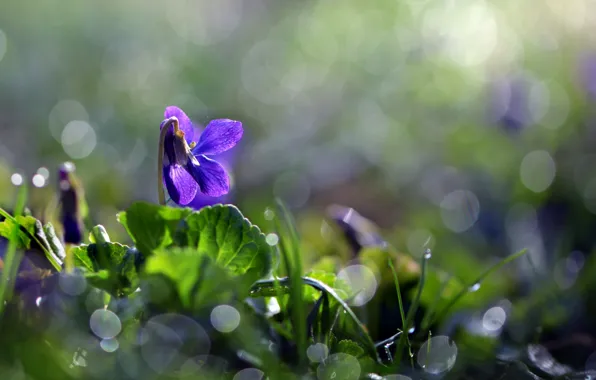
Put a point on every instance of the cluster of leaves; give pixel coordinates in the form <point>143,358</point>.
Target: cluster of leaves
<point>184,263</point>
<point>187,262</point>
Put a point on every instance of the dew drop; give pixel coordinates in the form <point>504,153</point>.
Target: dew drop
<point>474,287</point>
<point>427,254</point>
<point>411,330</point>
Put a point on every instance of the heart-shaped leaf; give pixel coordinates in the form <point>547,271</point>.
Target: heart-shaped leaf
<point>198,280</point>
<point>151,226</point>
<point>216,253</point>
<point>222,233</point>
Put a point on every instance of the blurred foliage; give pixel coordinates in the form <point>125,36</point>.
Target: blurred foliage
<point>462,126</point>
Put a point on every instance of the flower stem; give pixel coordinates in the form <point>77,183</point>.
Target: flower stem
<point>167,123</point>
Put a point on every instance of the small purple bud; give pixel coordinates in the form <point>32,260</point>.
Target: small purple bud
<point>359,231</point>
<point>69,204</point>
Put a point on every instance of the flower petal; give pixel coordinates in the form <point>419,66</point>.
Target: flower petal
<point>184,121</point>
<point>211,177</point>
<point>181,187</point>
<point>219,136</point>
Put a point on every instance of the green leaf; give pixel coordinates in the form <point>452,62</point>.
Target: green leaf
<point>26,223</point>
<point>109,266</point>
<point>199,281</point>
<point>222,233</point>
<point>81,258</point>
<point>216,253</point>
<point>151,226</point>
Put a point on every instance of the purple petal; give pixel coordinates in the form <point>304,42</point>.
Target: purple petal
<point>184,121</point>
<point>182,188</point>
<point>219,136</point>
<point>211,177</point>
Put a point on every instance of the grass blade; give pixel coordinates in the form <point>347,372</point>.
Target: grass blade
<point>439,316</point>
<point>401,305</point>
<point>290,250</point>
<point>412,312</point>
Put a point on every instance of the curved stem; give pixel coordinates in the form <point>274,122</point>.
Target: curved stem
<point>167,123</point>
<point>261,288</point>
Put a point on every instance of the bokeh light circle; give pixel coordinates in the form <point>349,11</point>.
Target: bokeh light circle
<point>437,355</point>
<point>339,366</point>
<point>537,170</point>
<point>63,113</point>
<point>78,139</point>
<point>170,339</point>
<point>317,352</point>
<point>460,210</point>
<point>225,318</point>
<point>16,179</point>
<point>105,323</point>
<point>361,281</point>
<point>249,374</point>
<point>109,345</point>
<point>73,283</point>
<point>272,239</point>
<point>38,180</point>
<point>494,318</point>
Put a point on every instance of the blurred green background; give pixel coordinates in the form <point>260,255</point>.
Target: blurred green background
<point>443,121</point>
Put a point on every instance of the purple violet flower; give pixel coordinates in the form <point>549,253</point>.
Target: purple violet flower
<point>186,167</point>
<point>201,200</point>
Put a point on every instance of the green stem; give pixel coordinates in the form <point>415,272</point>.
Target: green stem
<point>172,121</point>
<point>411,314</point>
<point>401,307</point>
